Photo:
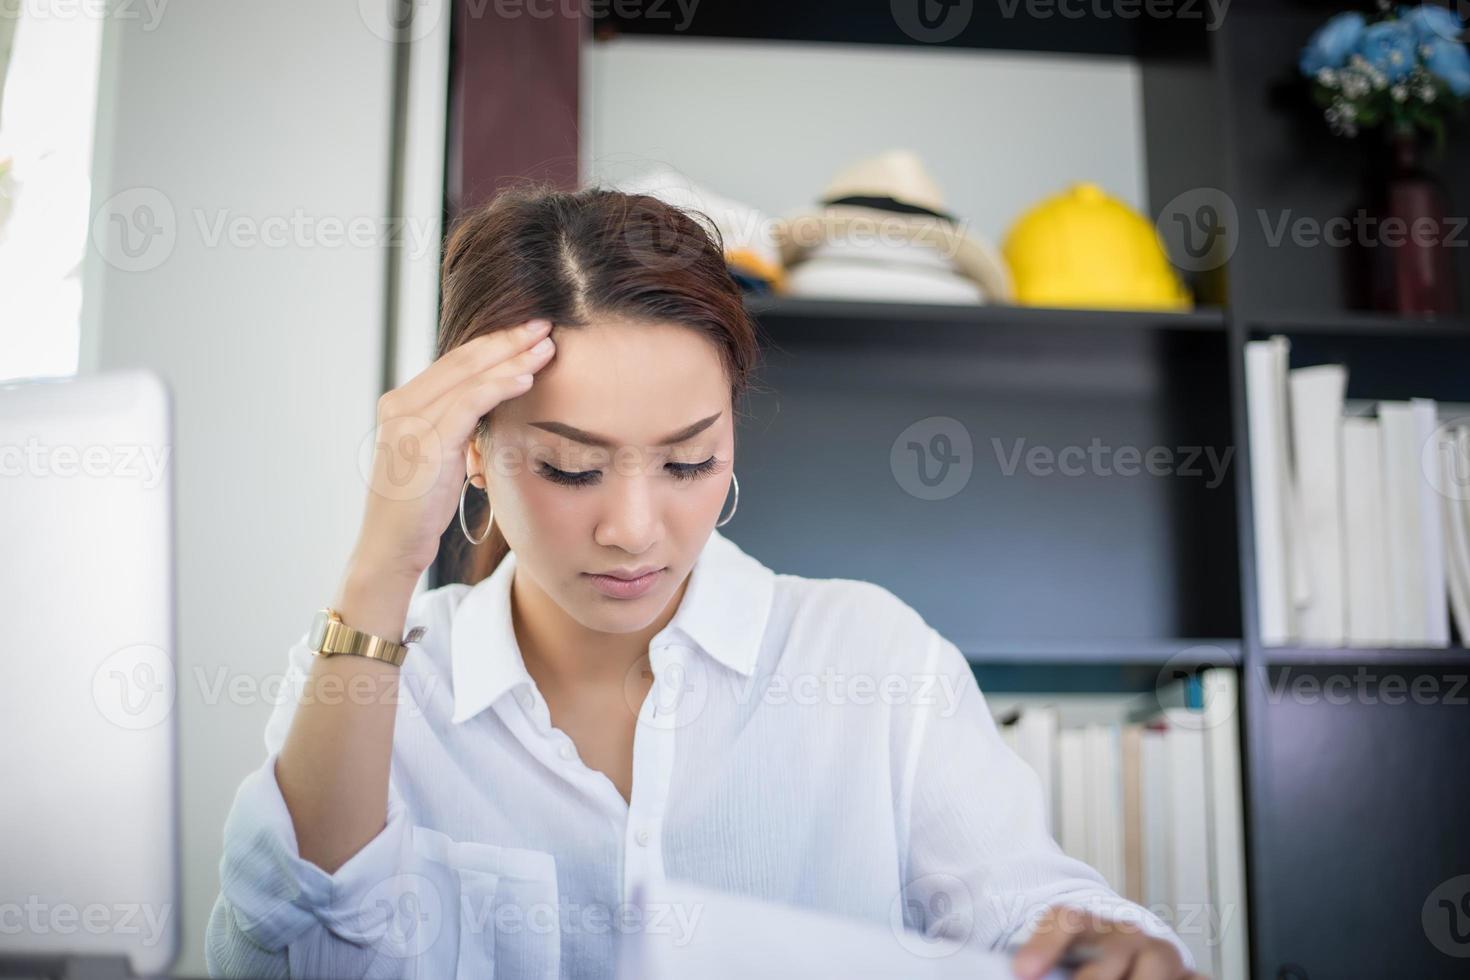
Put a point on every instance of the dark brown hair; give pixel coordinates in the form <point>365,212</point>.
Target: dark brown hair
<point>573,257</point>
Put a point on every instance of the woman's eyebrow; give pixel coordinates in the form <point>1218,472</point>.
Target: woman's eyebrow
<point>592,439</point>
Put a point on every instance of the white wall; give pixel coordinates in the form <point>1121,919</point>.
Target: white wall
<point>274,353</point>
<point>768,123</point>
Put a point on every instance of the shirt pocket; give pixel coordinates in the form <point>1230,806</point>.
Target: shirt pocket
<point>508,914</point>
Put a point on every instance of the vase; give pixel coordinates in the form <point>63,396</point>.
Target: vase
<point>1405,247</point>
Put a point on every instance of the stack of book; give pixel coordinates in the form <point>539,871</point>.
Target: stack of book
<point>1362,518</point>
<point>1154,804</point>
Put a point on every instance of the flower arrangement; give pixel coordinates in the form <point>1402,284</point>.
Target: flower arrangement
<point>1406,69</point>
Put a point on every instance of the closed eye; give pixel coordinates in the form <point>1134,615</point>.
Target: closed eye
<point>584,478</point>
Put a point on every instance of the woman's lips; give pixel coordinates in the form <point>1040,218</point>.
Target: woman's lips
<point>619,588</point>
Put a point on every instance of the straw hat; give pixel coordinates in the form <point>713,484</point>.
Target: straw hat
<point>891,198</point>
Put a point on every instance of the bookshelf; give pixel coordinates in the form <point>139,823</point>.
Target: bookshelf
<point>1101,583</point>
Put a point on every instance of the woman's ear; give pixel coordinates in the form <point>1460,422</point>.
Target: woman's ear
<point>474,464</point>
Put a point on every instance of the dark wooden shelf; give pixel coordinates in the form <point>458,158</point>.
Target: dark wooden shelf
<point>1183,652</point>
<point>767,308</point>
<point>1298,656</point>
<point>1355,323</point>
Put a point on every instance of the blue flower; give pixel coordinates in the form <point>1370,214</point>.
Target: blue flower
<point>1430,22</point>
<point>1333,42</point>
<point>1390,47</point>
<point>1451,62</point>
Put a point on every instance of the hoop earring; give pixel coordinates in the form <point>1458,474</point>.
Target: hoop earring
<point>464,526</point>
<point>736,480</point>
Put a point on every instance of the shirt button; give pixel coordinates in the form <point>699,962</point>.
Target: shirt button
<point>567,751</point>
<point>528,699</point>
<point>642,838</point>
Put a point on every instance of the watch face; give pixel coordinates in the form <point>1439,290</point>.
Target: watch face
<point>318,634</point>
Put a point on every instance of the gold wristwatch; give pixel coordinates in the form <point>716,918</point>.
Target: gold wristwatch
<point>330,636</point>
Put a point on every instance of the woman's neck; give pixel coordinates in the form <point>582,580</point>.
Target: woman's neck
<point>564,655</point>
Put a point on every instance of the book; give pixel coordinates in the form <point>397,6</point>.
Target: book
<point>1436,630</point>
<point>1035,741</point>
<point>1189,836</point>
<point>1226,825</point>
<point>1454,483</point>
<point>1130,750</point>
<point>1266,408</point>
<point>1316,415</point>
<point>1158,876</point>
<point>1365,538</point>
<point>1072,787</point>
<point>1412,571</point>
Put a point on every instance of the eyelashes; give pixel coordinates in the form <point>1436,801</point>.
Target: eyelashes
<point>682,472</point>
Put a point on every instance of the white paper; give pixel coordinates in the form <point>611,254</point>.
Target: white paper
<point>687,931</point>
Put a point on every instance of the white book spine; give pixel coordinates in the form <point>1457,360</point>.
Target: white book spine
<point>1402,477</point>
<point>1227,824</point>
<point>1158,874</point>
<point>1265,412</point>
<point>1190,838</point>
<point>1434,609</point>
<point>1365,544</point>
<point>1316,413</point>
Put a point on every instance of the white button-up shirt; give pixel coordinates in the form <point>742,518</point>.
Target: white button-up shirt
<point>806,741</point>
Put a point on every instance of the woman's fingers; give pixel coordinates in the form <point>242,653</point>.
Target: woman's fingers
<point>469,360</point>
<point>1054,932</point>
<point>449,410</point>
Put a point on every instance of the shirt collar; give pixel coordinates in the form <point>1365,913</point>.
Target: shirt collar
<point>723,613</point>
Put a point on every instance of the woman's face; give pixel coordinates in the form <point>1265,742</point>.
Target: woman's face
<point>582,475</point>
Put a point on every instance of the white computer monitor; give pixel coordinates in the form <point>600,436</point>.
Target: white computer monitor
<point>89,863</point>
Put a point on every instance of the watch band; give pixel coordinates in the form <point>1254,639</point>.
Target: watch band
<point>330,636</point>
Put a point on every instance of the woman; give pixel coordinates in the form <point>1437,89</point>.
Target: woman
<point>623,694</point>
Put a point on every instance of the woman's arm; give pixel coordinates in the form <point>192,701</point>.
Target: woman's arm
<point>981,864</point>
<point>333,768</point>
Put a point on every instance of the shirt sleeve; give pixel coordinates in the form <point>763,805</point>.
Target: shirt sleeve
<point>981,865</point>
<point>278,914</point>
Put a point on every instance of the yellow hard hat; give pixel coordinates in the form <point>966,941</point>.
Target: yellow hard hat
<point>1084,248</point>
